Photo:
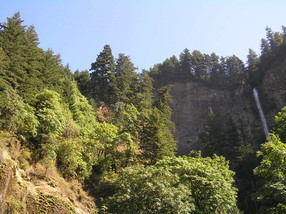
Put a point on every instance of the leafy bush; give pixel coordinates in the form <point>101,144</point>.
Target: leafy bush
<point>176,185</point>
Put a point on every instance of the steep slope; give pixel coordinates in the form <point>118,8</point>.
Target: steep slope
<point>37,189</point>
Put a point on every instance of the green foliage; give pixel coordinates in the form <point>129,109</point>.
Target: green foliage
<point>212,136</point>
<point>12,39</point>
<point>175,185</point>
<point>103,77</point>
<point>185,64</point>
<point>70,160</point>
<point>127,152</point>
<point>143,93</point>
<point>210,182</point>
<point>226,138</point>
<point>106,136</point>
<point>49,112</point>
<point>128,120</point>
<point>235,71</point>
<point>83,82</point>
<point>167,72</point>
<point>217,71</point>
<point>163,101</point>
<point>253,61</point>
<point>82,112</point>
<point>24,56</point>
<point>6,77</point>
<point>156,139</point>
<point>280,124</point>
<point>199,62</point>
<point>150,190</point>
<point>125,79</point>
<point>156,134</point>
<point>221,72</point>
<point>52,72</point>
<point>272,194</point>
<point>233,140</point>
<point>15,115</point>
<point>78,151</point>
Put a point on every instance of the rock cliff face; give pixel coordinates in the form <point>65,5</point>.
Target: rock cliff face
<point>193,100</point>
<point>274,87</point>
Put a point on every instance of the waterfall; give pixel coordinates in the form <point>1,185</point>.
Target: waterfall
<point>265,127</point>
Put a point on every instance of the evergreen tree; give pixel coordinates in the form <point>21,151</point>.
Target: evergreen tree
<point>213,135</point>
<point>6,79</point>
<point>254,76</point>
<point>185,59</point>
<point>217,76</point>
<point>265,49</point>
<point>12,41</point>
<point>235,71</point>
<point>157,138</point>
<point>166,73</point>
<point>20,45</point>
<point>103,82</point>
<point>143,92</point>
<point>277,42</point>
<point>163,101</point>
<point>198,65</point>
<point>230,141</point>
<point>125,79</point>
<point>52,72</point>
<point>270,37</point>
<point>83,82</point>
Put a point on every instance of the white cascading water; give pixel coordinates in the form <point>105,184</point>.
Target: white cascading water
<point>256,97</point>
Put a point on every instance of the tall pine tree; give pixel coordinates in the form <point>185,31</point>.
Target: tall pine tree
<point>125,79</point>
<point>103,81</point>
<point>20,45</point>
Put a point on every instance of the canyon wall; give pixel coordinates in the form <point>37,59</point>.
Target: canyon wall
<point>193,100</point>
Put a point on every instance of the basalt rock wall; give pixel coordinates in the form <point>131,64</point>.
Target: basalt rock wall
<point>192,102</point>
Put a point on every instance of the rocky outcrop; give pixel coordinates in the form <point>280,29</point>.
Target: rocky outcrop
<point>7,179</point>
<point>34,190</point>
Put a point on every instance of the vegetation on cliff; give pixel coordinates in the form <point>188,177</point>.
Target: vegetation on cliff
<point>224,133</point>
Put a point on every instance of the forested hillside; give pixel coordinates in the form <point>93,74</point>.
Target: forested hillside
<point>102,140</point>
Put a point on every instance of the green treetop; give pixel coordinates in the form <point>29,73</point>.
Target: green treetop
<point>176,185</point>
<point>103,81</point>
<point>125,79</point>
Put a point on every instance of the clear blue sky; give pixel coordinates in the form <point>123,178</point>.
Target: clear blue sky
<point>149,31</point>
